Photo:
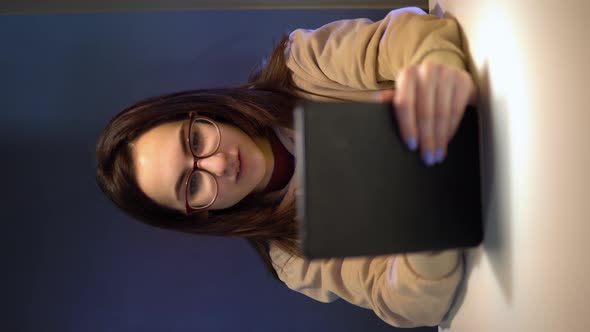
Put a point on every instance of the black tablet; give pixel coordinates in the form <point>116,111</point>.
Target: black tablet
<point>363,193</point>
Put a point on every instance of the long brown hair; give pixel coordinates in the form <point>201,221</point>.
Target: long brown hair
<point>256,108</point>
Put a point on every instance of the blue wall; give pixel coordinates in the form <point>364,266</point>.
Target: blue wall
<point>72,261</point>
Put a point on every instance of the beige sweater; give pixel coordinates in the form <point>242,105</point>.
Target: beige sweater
<point>349,60</point>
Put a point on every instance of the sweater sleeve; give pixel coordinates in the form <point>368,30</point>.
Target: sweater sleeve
<point>359,55</point>
<point>403,290</point>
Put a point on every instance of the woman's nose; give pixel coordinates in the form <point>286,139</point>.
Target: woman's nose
<point>216,164</point>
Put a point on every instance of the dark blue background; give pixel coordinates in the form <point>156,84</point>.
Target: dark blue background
<point>72,261</point>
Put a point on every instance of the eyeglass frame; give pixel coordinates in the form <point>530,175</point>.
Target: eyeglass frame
<point>192,120</point>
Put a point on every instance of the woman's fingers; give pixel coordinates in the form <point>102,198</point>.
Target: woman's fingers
<point>443,118</point>
<point>405,105</point>
<point>427,94</point>
<point>464,93</point>
<point>430,100</point>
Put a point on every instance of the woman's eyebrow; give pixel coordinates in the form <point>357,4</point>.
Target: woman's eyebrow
<point>180,181</point>
<point>178,187</point>
<point>183,143</point>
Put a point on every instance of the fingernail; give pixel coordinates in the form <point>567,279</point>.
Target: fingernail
<point>439,155</point>
<point>412,143</point>
<point>428,158</point>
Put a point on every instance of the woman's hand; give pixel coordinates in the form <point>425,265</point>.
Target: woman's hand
<point>430,101</point>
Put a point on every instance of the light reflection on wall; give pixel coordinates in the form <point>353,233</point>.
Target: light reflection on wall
<point>499,47</point>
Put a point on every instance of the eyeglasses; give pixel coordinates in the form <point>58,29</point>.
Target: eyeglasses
<point>204,138</point>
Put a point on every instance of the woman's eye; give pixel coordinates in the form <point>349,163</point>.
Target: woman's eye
<point>195,140</point>
<point>192,185</point>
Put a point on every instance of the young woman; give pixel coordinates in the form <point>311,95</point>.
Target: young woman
<point>221,161</point>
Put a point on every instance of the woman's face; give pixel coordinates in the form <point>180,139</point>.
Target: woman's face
<point>163,162</point>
